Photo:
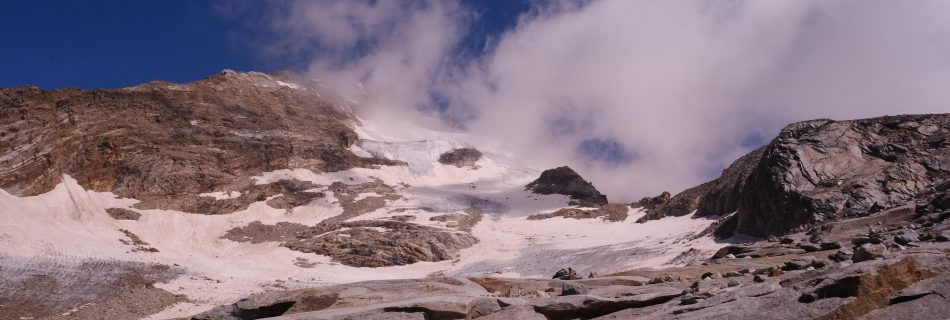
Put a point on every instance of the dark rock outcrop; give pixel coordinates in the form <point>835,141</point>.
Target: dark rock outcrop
<point>663,205</point>
<point>717,197</point>
<point>610,212</point>
<point>564,181</point>
<point>462,157</point>
<point>382,243</point>
<point>123,214</point>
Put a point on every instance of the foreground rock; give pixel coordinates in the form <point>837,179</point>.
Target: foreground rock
<point>910,284</point>
<point>564,181</point>
<point>91,289</point>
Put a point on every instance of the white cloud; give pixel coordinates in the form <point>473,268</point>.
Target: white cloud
<point>679,83</point>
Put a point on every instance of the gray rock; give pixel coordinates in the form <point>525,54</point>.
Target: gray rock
<point>943,236</point>
<point>799,263</point>
<point>840,256</point>
<point>482,307</point>
<point>906,236</point>
<point>869,251</point>
<point>830,245</point>
<point>586,306</point>
<point>808,247</point>
<point>573,288</point>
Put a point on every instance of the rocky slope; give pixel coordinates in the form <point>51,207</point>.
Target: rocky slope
<point>164,143</point>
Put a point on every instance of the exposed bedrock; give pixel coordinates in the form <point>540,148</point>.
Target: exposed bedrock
<point>461,157</point>
<point>564,181</point>
<point>823,170</point>
<point>160,141</point>
<point>364,243</point>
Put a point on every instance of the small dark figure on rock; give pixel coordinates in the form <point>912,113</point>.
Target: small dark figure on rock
<point>568,274</point>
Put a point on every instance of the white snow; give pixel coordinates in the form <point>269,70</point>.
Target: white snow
<point>70,224</point>
<point>289,85</point>
<point>221,195</point>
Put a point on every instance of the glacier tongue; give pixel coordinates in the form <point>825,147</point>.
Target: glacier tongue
<point>418,155</point>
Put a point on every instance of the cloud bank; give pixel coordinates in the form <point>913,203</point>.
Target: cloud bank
<point>638,96</point>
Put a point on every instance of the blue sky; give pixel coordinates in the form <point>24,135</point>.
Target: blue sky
<point>93,44</point>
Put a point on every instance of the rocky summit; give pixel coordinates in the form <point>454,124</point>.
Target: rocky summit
<point>252,195</point>
<point>564,181</point>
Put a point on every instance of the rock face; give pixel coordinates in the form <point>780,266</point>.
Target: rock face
<point>462,157</point>
<point>564,181</point>
<point>663,205</point>
<point>824,170</point>
<point>159,141</point>
<point>716,197</point>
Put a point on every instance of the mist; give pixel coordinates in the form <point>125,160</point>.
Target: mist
<point>637,96</point>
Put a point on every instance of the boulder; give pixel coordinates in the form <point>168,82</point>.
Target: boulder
<point>573,288</point>
<point>869,251</point>
<point>840,256</point>
<point>830,245</point>
<point>799,263</point>
<point>482,307</point>
<point>906,236</point>
<point>587,306</point>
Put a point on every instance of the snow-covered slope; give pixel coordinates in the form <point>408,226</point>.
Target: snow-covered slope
<point>70,225</point>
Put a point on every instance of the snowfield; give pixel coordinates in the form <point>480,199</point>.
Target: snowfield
<point>70,225</point>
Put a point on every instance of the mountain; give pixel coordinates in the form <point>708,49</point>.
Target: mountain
<point>252,195</point>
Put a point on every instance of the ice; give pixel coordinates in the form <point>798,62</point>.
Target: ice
<point>418,155</point>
